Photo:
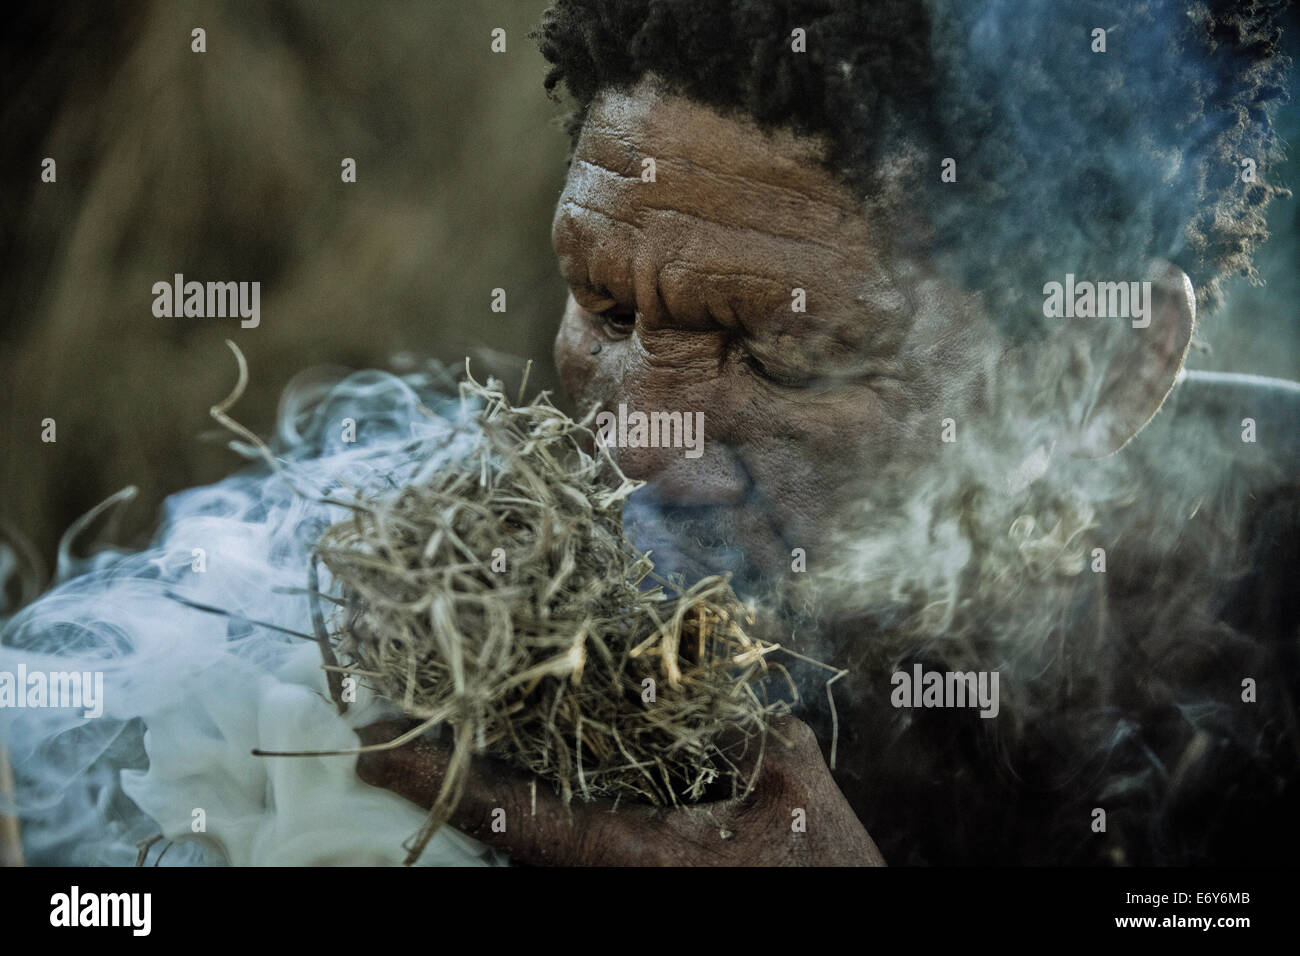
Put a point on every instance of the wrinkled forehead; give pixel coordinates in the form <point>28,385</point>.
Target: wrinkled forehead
<point>624,126</point>
<point>713,213</point>
<point>727,157</point>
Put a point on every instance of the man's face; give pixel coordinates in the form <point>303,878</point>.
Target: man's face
<point>684,298</point>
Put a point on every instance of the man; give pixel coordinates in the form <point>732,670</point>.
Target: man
<point>928,271</point>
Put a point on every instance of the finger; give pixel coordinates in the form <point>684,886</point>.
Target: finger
<point>785,747</point>
<point>414,771</point>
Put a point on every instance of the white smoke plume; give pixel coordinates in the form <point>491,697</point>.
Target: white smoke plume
<point>189,694</point>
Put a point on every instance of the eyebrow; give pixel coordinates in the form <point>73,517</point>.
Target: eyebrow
<point>758,303</point>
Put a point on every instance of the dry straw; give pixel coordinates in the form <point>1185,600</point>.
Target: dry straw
<point>501,597</point>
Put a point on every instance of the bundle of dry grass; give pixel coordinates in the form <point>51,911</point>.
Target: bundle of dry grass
<point>502,598</point>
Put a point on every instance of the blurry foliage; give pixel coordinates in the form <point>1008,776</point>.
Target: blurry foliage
<point>225,165</point>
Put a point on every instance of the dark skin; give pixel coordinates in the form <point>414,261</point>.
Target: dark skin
<point>685,284</point>
<point>753,831</point>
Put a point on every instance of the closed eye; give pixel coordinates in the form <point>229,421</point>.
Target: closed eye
<point>619,320</point>
<point>767,374</point>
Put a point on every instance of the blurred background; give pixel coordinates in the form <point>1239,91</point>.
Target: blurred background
<point>225,165</point>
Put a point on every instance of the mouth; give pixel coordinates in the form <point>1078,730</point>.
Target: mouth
<point>698,540</point>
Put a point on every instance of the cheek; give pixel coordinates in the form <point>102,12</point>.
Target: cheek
<point>803,455</point>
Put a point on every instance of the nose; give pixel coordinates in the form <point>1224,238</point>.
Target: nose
<point>667,386</point>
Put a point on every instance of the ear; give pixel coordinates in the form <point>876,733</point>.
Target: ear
<point>1137,365</point>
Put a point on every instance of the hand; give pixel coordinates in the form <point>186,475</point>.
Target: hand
<point>759,830</point>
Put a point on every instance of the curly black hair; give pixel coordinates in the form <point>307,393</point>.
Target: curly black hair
<point>1068,159</point>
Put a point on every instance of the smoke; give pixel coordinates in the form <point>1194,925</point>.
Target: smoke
<point>189,694</point>
<point>1123,602</point>
<point>1094,138</point>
